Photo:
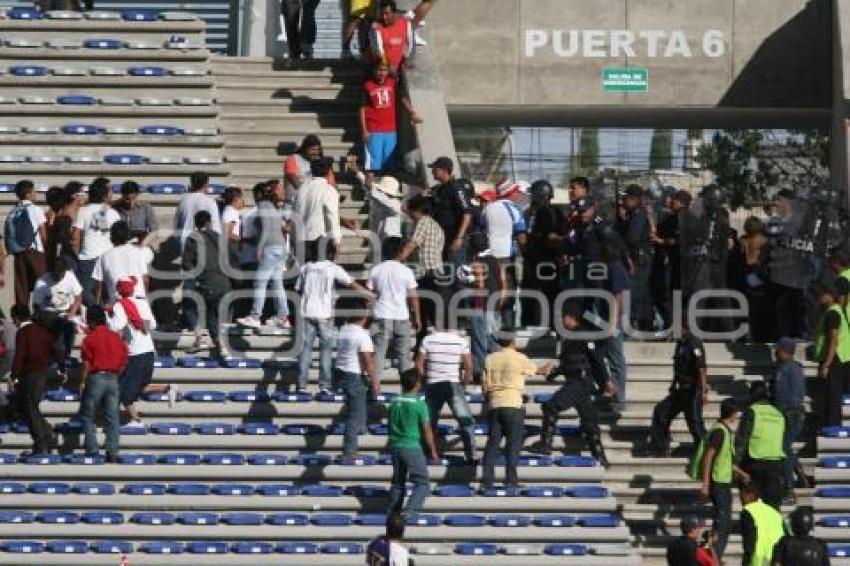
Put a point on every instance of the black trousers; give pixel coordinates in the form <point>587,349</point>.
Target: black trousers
<point>300,19</point>
<point>721,499</point>
<point>681,400</point>
<point>769,478</point>
<point>30,390</point>
<point>837,384</point>
<point>789,307</point>
<point>507,423</point>
<point>578,393</point>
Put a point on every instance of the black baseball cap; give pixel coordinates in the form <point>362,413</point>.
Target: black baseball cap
<point>691,522</point>
<point>444,163</point>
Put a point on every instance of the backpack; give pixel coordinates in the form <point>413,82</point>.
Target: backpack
<point>18,233</point>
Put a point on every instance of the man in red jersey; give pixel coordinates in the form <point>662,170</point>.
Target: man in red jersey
<point>392,35</point>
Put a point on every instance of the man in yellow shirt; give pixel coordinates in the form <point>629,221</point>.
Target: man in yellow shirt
<point>503,382</point>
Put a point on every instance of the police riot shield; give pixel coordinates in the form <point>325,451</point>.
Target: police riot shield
<point>704,233</point>
<point>791,245</point>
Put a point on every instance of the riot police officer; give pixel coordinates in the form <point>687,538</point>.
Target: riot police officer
<point>687,394</point>
<point>583,368</point>
<point>823,228</point>
<point>787,263</point>
<point>540,271</point>
<point>585,242</point>
<point>800,548</point>
<point>636,231</point>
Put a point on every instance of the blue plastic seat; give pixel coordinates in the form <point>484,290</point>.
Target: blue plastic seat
<point>361,460</point>
<point>133,430</point>
<point>446,429</point>
<point>476,549</point>
<point>320,490</point>
<point>69,427</point>
<point>241,489</point>
<point>7,187</point>
<point>243,519</point>
<point>342,548</point>
<point>67,547</point>
<point>587,491</point>
<point>268,459</point>
<point>258,429</point>
<point>330,397</point>
<point>50,488</point>
<point>575,461</point>
<point>194,489</point>
<point>197,519</point>
<point>41,459</point>
<point>252,548</point>
<point>385,460</point>
<point>331,520</point>
<point>475,398</point>
<point>162,547</point>
<point>835,462</point>
<point>599,521</point>
<point>534,461</point>
<point>76,100</point>
<point>543,491</point>
<point>79,130</point>
<point>166,189</point>
<point>198,363</point>
<point>112,547</point>
<point>21,428</point>
<point>180,459</point>
<point>839,551</point>
<point>835,491</point>
<point>171,428</point>
<point>137,459</point>
<point>510,520</point>
<point>29,71</point>
<point>103,44</point>
<point>554,520</point>
<point>152,518</point>
<point>94,488</point>
<point>481,429</point>
<point>161,131</point>
<point>123,159</point>
<point>568,429</point>
<point>310,460</point>
<point>147,72</point>
<point>236,363</point>
<point>139,15</point>
<point>565,549</point>
<point>102,518</point>
<point>224,459</point>
<point>249,396</point>
<point>838,521</point>
<point>379,429</point>
<point>335,429</point>
<point>278,490</point>
<point>454,491</point>
<point>424,521</point>
<point>297,548</point>
<point>84,460</point>
<point>836,431</point>
<point>11,487</point>
<point>287,519</point>
<point>145,489</point>
<point>541,398</point>
<point>298,397</point>
<point>23,547</point>
<point>6,458</point>
<point>215,429</point>
<point>24,14</point>
<point>501,492</point>
<point>367,491</point>
<point>370,520</point>
<point>218,189</point>
<point>57,518</point>
<point>16,517</point>
<point>164,361</point>
<point>465,520</point>
<point>207,547</point>
<point>302,429</point>
<point>205,396</point>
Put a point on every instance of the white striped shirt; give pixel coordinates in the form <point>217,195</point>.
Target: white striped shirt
<point>443,352</point>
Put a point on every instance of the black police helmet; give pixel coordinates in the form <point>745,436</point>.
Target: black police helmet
<point>541,191</point>
<point>802,521</point>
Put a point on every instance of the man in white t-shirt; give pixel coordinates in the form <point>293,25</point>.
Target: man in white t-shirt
<point>357,374</point>
<point>57,297</point>
<point>25,221</point>
<point>317,285</point>
<point>90,234</point>
<point>396,311</point>
<point>444,364</point>
<point>123,260</point>
<point>387,550</point>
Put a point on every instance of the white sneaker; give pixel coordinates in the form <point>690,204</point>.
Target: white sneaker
<point>252,321</point>
<point>280,322</point>
<point>173,393</point>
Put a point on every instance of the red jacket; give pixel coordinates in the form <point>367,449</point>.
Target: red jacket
<point>104,350</point>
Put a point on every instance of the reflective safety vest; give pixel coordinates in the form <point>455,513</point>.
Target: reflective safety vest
<point>768,430</point>
<point>842,349</point>
<point>769,530</point>
<point>845,274</point>
<point>721,468</point>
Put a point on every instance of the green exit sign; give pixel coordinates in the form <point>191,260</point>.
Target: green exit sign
<point>625,79</point>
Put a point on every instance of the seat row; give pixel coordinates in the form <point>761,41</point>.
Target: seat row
<point>135,71</point>
<point>290,490</point>
<point>116,159</point>
<point>174,42</point>
<point>93,130</point>
<point>155,188</point>
<point>100,15</point>
<point>88,100</point>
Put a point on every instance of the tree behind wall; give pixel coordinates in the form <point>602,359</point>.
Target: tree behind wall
<point>661,150</point>
<point>587,160</point>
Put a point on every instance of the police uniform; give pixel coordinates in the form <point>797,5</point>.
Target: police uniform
<point>540,270</point>
<point>685,395</point>
<point>760,452</point>
<point>835,318</point>
<point>636,231</point>
<point>800,551</point>
<point>583,368</point>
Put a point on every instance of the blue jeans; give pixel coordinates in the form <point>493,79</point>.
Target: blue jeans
<point>324,329</point>
<point>794,421</point>
<point>101,393</point>
<point>721,499</point>
<point>85,268</point>
<point>409,463</point>
<point>400,333</point>
<point>442,392</point>
<point>272,267</point>
<point>482,327</point>
<point>356,408</point>
<point>617,364</point>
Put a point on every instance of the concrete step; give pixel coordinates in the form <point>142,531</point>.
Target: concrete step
<point>102,55</point>
<point>247,89</point>
<point>292,79</point>
<point>253,102</point>
<point>259,137</point>
<point>233,119</point>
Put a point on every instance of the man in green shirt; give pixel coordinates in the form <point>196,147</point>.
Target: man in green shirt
<point>409,425</point>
